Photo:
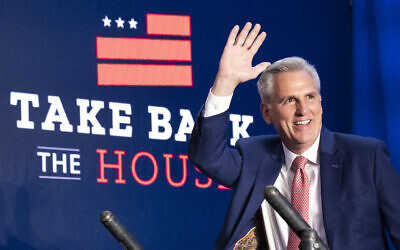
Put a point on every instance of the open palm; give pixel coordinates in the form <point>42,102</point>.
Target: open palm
<point>236,61</point>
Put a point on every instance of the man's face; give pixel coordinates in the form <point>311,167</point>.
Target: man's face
<point>295,110</point>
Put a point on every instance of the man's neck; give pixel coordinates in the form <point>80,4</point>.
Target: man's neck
<point>311,153</point>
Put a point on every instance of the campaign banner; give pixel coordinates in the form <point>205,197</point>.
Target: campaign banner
<point>98,100</point>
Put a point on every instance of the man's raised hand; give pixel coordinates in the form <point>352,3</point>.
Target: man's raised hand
<point>235,65</point>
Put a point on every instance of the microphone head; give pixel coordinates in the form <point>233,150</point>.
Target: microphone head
<point>106,217</point>
<point>270,192</point>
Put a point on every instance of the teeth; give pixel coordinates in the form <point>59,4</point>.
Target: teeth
<point>302,122</point>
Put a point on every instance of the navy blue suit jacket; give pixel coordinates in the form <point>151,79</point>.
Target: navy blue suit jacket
<point>360,189</point>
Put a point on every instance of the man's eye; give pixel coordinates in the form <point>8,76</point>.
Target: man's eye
<point>290,99</point>
<point>310,96</point>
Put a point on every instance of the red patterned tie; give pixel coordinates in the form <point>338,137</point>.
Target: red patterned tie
<point>300,197</point>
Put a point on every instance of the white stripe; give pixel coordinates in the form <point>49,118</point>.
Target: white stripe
<point>58,148</point>
<point>60,178</point>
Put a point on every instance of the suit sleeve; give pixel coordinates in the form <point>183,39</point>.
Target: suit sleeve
<point>388,190</point>
<point>208,150</point>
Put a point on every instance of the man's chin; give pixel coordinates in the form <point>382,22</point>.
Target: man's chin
<point>305,141</point>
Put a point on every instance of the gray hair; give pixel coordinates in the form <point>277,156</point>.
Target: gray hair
<point>289,64</point>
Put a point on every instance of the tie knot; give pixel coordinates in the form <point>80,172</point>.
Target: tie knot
<point>299,162</point>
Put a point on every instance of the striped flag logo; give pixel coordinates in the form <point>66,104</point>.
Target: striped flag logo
<point>159,54</point>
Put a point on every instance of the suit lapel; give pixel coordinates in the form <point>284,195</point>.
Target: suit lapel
<point>331,168</point>
<point>268,171</point>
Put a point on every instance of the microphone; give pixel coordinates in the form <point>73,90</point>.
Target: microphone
<point>118,231</point>
<point>293,219</point>
<point>285,210</point>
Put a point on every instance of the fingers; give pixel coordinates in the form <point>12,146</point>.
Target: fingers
<point>248,39</point>
<point>258,42</point>
<point>243,34</point>
<point>232,36</point>
<point>252,35</point>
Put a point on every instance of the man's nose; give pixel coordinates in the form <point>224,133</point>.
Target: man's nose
<point>301,108</point>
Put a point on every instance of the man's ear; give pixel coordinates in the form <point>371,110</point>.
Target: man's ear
<point>265,111</point>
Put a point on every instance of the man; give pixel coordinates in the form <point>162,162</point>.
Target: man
<point>343,185</point>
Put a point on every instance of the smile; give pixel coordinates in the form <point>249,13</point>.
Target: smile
<point>302,122</point>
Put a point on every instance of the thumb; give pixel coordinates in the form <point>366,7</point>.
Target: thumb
<point>259,68</point>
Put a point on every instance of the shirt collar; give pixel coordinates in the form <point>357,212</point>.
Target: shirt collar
<point>312,154</point>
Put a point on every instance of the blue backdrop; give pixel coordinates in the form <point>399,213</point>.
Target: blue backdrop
<point>376,39</point>
<point>72,147</point>
<point>376,51</point>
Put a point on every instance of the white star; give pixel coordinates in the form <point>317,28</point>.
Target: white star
<point>133,23</point>
<point>106,21</point>
<point>120,22</point>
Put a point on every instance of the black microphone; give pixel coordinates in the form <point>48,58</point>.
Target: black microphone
<point>119,232</point>
<point>293,218</point>
<point>285,210</point>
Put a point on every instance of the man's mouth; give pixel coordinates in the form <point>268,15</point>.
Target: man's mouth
<point>305,122</point>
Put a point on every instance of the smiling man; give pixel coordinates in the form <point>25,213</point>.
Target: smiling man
<point>294,107</point>
<point>344,186</point>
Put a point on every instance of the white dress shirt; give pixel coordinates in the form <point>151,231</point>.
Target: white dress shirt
<point>276,228</point>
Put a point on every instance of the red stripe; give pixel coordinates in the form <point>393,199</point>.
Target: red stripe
<point>168,25</point>
<point>143,49</point>
<point>144,75</point>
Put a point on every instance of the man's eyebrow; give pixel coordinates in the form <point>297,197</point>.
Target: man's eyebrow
<point>312,92</point>
<point>282,99</point>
